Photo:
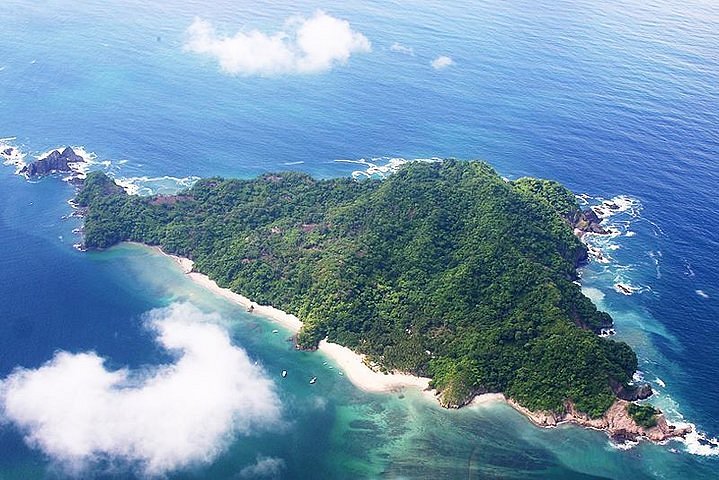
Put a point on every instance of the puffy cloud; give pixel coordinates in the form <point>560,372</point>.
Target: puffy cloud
<point>441,62</point>
<point>308,45</point>
<point>264,467</point>
<point>159,419</point>
<point>399,48</point>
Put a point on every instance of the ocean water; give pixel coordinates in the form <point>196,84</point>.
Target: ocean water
<point>617,98</point>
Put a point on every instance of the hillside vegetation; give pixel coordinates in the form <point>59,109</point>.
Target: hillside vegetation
<point>444,270</point>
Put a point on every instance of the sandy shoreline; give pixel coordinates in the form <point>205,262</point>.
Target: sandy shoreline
<point>351,363</point>
<point>615,421</point>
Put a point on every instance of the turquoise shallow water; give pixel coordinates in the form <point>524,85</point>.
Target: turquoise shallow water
<point>608,97</point>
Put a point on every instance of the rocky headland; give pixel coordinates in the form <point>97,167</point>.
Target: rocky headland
<point>64,161</point>
<point>616,422</point>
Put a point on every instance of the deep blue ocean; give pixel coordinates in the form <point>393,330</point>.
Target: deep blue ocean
<point>616,99</point>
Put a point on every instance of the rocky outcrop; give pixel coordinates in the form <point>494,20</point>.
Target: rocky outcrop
<point>633,392</point>
<point>56,161</point>
<point>616,422</point>
<point>449,398</point>
<point>586,221</point>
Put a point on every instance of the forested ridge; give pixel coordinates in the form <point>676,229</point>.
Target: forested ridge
<point>444,270</point>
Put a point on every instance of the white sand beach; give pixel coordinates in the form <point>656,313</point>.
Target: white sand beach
<point>351,363</point>
<point>364,377</point>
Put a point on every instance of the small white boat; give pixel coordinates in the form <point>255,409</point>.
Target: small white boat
<point>284,373</point>
<point>313,380</point>
<point>275,331</point>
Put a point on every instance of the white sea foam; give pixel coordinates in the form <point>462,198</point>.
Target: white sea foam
<point>583,198</point>
<point>381,167</point>
<point>90,159</point>
<point>626,288</point>
<point>15,157</point>
<point>597,254</point>
<point>618,214</point>
<point>626,445</point>
<point>617,205</point>
<point>594,294</point>
<point>698,443</point>
<point>607,332</point>
<point>166,184</point>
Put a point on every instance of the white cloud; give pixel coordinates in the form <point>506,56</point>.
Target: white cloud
<point>399,48</point>
<point>159,419</point>
<point>441,62</point>
<point>308,45</point>
<point>264,467</point>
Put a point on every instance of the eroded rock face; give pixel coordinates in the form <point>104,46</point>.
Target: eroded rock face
<point>587,221</point>
<point>632,393</point>
<point>56,161</point>
<point>616,422</point>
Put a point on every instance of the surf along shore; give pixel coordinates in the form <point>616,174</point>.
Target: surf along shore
<point>617,423</point>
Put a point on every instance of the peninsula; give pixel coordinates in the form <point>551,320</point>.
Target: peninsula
<point>443,270</point>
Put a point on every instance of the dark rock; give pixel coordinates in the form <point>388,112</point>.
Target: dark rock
<point>632,393</point>
<point>589,222</point>
<point>56,161</point>
<point>7,151</point>
<point>586,221</point>
<point>623,436</point>
<point>591,216</point>
<point>71,156</point>
<point>643,391</point>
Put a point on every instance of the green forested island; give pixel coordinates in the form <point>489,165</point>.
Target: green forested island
<point>443,270</point>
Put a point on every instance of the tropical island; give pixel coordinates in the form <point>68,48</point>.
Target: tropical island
<point>443,270</point>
